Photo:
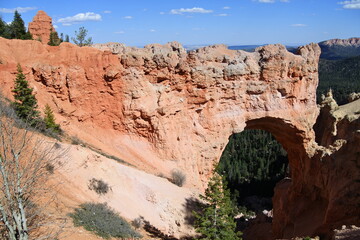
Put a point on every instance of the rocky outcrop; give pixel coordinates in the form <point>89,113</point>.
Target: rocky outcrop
<point>327,194</point>
<point>41,27</point>
<point>162,108</point>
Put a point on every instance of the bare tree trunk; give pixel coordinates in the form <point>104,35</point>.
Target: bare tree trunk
<point>24,157</point>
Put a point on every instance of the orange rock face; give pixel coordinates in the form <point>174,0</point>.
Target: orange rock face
<point>41,27</point>
<point>162,108</point>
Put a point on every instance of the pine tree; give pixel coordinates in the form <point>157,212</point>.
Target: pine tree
<point>80,38</point>
<point>54,39</point>
<point>67,39</point>
<point>17,28</point>
<point>49,119</point>
<point>216,221</point>
<point>4,29</point>
<point>25,104</point>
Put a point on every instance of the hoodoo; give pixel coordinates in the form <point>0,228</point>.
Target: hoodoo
<point>41,27</point>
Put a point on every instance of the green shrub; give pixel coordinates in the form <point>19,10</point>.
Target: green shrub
<point>49,120</point>
<point>103,221</point>
<point>178,178</point>
<point>99,186</point>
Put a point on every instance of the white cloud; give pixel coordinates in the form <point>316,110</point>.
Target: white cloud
<point>55,26</point>
<point>270,1</point>
<point>128,17</point>
<point>298,25</point>
<point>120,32</point>
<point>222,15</point>
<point>19,9</point>
<point>266,1</point>
<point>107,11</point>
<point>352,4</point>
<point>162,13</point>
<point>152,30</point>
<point>226,7</point>
<point>80,17</point>
<point>190,10</point>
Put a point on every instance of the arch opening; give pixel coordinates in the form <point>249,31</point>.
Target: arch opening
<point>254,161</point>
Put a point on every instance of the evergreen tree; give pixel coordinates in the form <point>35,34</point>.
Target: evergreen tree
<point>25,104</point>
<point>49,119</point>
<point>27,36</point>
<point>216,221</point>
<point>17,28</point>
<point>80,38</point>
<point>67,39</point>
<point>4,29</point>
<point>54,39</point>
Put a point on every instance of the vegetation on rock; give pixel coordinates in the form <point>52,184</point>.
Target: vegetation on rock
<point>25,103</point>
<point>49,120</point>
<point>178,177</point>
<point>24,171</point>
<point>80,38</point>
<point>54,39</point>
<point>103,221</point>
<point>99,186</point>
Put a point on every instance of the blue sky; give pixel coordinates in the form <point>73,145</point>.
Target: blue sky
<point>198,22</point>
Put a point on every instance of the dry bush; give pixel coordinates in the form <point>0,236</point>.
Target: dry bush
<point>25,157</point>
<point>99,186</point>
<point>178,177</point>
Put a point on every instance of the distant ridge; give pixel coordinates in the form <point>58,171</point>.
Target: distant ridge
<point>335,49</point>
<point>332,49</point>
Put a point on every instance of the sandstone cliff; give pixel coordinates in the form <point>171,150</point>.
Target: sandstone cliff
<point>326,197</point>
<point>162,108</point>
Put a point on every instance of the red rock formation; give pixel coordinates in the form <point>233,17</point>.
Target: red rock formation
<point>162,108</point>
<point>41,27</point>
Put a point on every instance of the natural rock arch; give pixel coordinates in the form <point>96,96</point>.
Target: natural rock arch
<point>163,108</point>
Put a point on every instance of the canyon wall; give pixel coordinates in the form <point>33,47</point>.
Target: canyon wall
<point>161,108</point>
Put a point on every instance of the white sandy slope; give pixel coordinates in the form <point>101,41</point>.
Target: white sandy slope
<point>133,192</point>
